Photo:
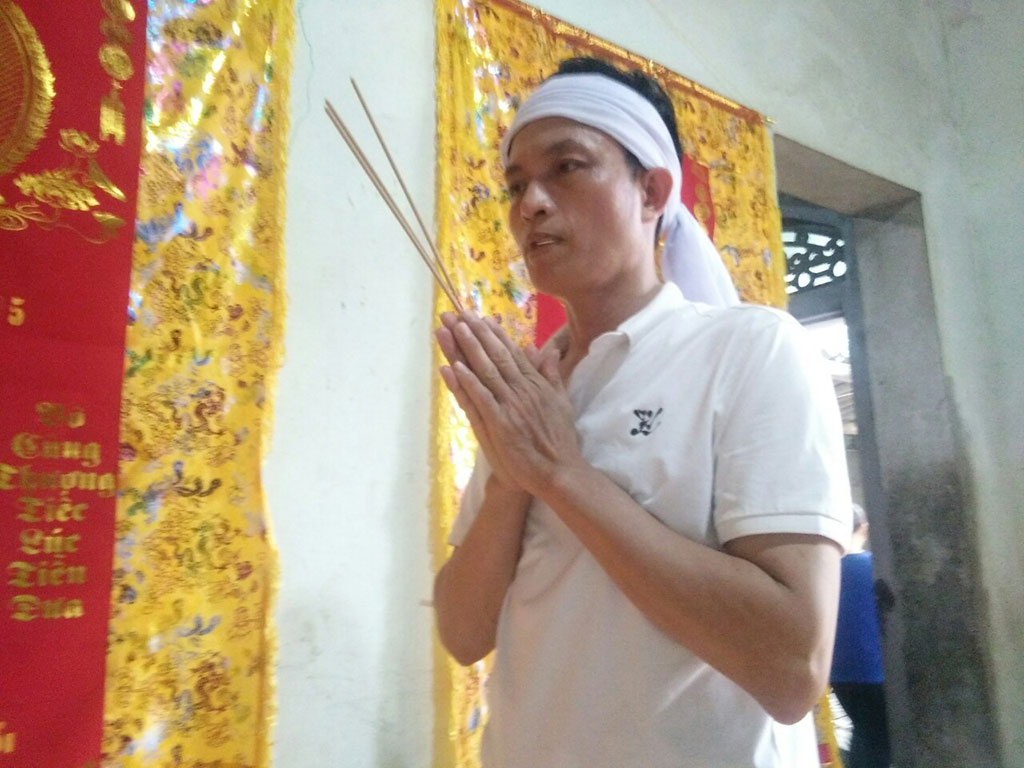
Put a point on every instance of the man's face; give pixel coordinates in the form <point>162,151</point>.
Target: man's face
<point>576,207</point>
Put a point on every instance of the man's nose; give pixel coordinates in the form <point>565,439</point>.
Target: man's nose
<point>535,200</point>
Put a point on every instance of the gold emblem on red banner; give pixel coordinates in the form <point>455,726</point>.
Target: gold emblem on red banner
<point>27,89</point>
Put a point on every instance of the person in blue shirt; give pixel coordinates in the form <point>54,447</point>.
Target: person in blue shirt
<point>857,675</point>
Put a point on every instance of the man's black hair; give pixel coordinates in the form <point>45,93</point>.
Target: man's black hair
<point>643,84</point>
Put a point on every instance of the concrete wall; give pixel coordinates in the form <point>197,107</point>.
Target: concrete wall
<point>925,93</point>
<point>988,117</point>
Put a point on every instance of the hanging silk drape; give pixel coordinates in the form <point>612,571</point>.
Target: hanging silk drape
<point>190,662</point>
<point>490,53</point>
<point>140,338</point>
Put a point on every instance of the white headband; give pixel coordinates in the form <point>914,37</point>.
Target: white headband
<point>689,258</point>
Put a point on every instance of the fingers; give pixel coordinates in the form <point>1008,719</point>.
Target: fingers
<point>546,361</point>
<point>465,387</point>
<point>473,377</point>
<point>533,355</point>
<point>495,370</point>
<point>446,338</point>
<point>521,360</point>
<point>494,343</point>
<point>486,350</point>
<point>452,376</point>
<point>478,360</point>
<point>474,399</point>
<point>451,381</point>
<point>449,347</point>
<point>549,366</point>
<point>513,398</point>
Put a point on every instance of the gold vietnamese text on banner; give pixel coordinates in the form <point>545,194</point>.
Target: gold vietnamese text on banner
<point>490,54</point>
<point>192,647</point>
<point>71,92</point>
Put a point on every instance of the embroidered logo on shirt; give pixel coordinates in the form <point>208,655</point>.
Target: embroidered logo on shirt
<point>648,421</point>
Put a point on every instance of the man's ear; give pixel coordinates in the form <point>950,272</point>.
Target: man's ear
<point>657,186</point>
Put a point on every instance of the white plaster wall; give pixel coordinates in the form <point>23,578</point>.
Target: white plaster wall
<point>347,473</point>
<point>888,87</point>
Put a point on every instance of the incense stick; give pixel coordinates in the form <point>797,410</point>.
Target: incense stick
<point>431,258</point>
<point>405,190</point>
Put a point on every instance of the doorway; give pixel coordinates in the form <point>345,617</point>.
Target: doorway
<point>817,242</point>
<point>914,480</point>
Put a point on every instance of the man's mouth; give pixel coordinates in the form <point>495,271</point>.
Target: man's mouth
<point>541,240</point>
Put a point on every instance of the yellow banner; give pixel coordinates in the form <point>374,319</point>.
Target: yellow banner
<point>191,655</point>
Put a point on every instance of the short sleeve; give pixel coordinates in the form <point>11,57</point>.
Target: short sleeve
<point>780,455</point>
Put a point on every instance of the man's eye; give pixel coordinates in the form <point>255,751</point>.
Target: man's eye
<point>564,166</point>
<point>515,190</point>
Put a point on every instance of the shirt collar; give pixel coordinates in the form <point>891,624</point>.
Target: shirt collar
<point>667,299</point>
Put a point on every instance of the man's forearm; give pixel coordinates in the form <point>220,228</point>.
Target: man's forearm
<point>762,613</point>
<point>470,588</point>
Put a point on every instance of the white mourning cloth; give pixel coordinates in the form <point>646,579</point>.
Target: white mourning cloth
<point>689,258</point>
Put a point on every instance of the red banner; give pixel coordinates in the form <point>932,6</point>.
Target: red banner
<point>71,92</point>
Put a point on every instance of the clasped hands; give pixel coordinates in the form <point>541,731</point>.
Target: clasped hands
<point>514,398</point>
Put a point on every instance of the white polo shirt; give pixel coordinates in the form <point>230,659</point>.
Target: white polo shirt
<point>720,422</point>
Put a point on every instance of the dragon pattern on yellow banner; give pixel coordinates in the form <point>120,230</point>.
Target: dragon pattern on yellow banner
<point>191,654</point>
